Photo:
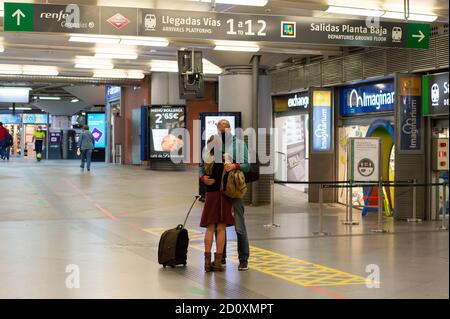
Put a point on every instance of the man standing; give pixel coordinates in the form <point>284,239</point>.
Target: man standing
<point>3,135</point>
<point>235,147</point>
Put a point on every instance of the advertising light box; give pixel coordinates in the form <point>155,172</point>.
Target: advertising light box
<point>165,141</point>
<point>322,121</point>
<point>97,126</point>
<point>14,95</point>
<point>363,99</point>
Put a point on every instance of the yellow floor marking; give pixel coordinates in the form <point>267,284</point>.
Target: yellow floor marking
<point>291,269</point>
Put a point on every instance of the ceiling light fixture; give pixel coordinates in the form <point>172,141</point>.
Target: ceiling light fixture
<point>115,53</point>
<point>144,41</point>
<point>17,69</point>
<point>19,108</point>
<point>89,38</point>
<point>381,13</point>
<point>355,11</point>
<point>412,16</point>
<point>89,62</point>
<point>256,3</point>
<point>119,74</point>
<point>239,46</point>
<point>74,101</point>
<point>124,40</point>
<point>172,66</point>
<point>40,70</point>
<point>50,98</point>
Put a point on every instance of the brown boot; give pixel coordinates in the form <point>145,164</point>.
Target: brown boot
<point>217,266</point>
<point>208,265</point>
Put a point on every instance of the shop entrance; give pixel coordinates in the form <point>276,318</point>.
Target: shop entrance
<point>16,132</point>
<point>383,129</point>
<point>29,129</point>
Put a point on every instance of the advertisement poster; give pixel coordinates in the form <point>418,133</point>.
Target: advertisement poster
<point>11,119</point>
<point>97,126</point>
<point>322,121</point>
<point>374,98</point>
<point>410,114</point>
<point>211,124</point>
<point>35,118</point>
<point>165,141</point>
<point>364,159</point>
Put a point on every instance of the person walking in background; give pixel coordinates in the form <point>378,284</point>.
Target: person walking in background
<point>86,146</point>
<point>7,147</point>
<point>3,134</point>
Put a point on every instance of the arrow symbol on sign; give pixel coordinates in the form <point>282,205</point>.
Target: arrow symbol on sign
<point>421,36</point>
<point>18,13</point>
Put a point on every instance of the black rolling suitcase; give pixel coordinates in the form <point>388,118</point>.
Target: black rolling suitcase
<point>173,245</point>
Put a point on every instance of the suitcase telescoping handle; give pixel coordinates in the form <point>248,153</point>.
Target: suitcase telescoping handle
<point>187,216</point>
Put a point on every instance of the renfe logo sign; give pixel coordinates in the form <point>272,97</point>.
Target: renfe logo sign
<point>363,99</point>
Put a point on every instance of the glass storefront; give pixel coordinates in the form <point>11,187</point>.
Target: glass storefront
<point>291,149</point>
<point>291,121</point>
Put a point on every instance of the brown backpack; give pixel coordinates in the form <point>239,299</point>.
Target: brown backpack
<point>233,184</point>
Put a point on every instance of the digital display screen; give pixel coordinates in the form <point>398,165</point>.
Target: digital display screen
<point>165,141</point>
<point>97,126</point>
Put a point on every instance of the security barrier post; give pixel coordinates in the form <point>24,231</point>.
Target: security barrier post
<point>380,228</point>
<point>349,220</point>
<point>320,232</point>
<point>272,205</point>
<point>414,219</point>
<point>444,206</point>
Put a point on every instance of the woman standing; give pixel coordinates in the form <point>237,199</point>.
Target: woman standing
<point>86,146</point>
<point>216,214</point>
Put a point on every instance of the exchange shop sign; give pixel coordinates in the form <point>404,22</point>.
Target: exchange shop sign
<point>212,25</point>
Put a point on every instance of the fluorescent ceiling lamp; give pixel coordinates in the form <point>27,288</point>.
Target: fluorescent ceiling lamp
<point>256,3</point>
<point>115,53</point>
<point>21,108</point>
<point>172,66</point>
<point>50,98</point>
<point>412,16</point>
<point>119,74</point>
<point>164,66</point>
<point>89,38</point>
<point>144,41</point>
<point>40,70</point>
<point>422,17</point>
<point>89,62</point>
<point>240,46</point>
<point>10,69</point>
<point>355,11</point>
<point>28,69</point>
<point>74,101</point>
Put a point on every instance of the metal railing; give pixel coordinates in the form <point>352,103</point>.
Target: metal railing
<point>349,203</point>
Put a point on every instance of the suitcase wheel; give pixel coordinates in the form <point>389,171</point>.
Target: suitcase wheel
<point>164,265</point>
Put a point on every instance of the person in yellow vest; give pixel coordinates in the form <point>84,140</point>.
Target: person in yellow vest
<point>38,140</point>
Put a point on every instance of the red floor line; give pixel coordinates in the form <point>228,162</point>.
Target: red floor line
<point>96,205</point>
<point>326,292</point>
